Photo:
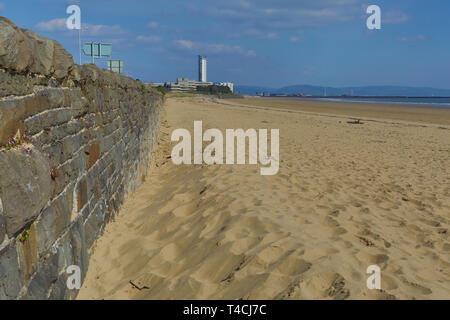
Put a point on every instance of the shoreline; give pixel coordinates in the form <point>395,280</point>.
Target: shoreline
<point>354,99</point>
<point>406,113</point>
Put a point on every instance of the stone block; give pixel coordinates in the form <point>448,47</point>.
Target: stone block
<point>2,224</point>
<point>18,84</point>
<point>11,278</point>
<point>62,61</point>
<point>25,186</point>
<point>82,194</point>
<point>59,290</point>
<point>79,248</point>
<point>66,174</point>
<point>35,104</point>
<point>41,283</point>
<point>42,49</point>
<point>92,154</point>
<point>72,144</point>
<point>47,232</point>
<point>15,49</point>
<point>64,207</point>
<point>92,226</point>
<point>79,106</point>
<point>28,253</point>
<point>53,118</point>
<point>56,96</point>
<point>12,114</point>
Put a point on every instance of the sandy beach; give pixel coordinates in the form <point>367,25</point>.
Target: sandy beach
<point>346,196</point>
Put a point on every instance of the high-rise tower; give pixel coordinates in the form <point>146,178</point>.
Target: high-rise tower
<point>202,68</point>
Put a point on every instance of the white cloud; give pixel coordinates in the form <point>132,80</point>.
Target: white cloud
<point>253,32</point>
<point>153,25</point>
<point>98,30</point>
<point>58,25</point>
<point>312,16</point>
<point>52,25</point>
<point>417,38</point>
<point>286,14</point>
<point>296,39</point>
<point>240,3</point>
<point>222,48</point>
<point>394,17</point>
<point>272,20</point>
<point>213,48</point>
<point>272,36</point>
<point>185,44</point>
<point>149,39</point>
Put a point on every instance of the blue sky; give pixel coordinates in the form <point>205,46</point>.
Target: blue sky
<point>259,42</point>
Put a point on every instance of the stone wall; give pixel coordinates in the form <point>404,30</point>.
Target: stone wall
<point>75,141</point>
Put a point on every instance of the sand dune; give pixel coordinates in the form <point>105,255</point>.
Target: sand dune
<point>346,197</point>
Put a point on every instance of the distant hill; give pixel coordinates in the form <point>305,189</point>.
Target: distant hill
<point>356,91</point>
<point>252,90</point>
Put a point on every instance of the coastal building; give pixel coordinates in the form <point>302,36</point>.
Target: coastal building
<point>202,68</point>
<point>185,85</point>
<point>157,84</point>
<point>227,84</point>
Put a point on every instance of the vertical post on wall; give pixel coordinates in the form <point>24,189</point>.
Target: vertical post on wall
<point>79,42</point>
<point>79,33</point>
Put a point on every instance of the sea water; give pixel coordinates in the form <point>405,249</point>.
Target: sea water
<point>419,101</point>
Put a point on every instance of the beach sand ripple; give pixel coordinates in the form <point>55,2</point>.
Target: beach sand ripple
<point>346,197</point>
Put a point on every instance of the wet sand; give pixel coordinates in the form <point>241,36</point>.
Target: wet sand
<point>347,196</point>
<point>419,114</point>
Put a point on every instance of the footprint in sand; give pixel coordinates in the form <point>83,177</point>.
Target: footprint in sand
<point>325,285</point>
